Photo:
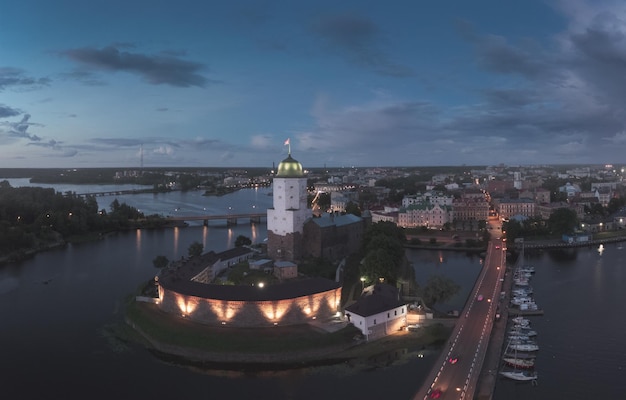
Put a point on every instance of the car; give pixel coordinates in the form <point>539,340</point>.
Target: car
<point>480,297</point>
<point>435,394</point>
<point>453,359</point>
<point>497,247</point>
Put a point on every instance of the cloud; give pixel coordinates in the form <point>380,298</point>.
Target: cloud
<point>15,77</point>
<point>52,144</point>
<point>19,129</point>
<point>6,111</point>
<point>163,150</point>
<point>618,138</point>
<point>262,142</point>
<point>497,54</point>
<point>85,77</point>
<point>357,39</point>
<point>118,142</point>
<point>155,69</point>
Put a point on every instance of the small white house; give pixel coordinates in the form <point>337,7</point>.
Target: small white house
<point>378,312</point>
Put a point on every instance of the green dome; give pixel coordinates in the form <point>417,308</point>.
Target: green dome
<point>289,168</point>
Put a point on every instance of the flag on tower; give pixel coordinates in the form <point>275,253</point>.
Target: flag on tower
<point>286,142</point>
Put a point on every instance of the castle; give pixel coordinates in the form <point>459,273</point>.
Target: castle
<point>293,233</point>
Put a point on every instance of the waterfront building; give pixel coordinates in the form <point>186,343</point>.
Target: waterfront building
<point>424,214</point>
<point>378,312</point>
<point>509,207</point>
<point>472,206</point>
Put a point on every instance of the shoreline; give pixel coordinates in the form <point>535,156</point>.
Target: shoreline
<point>306,346</point>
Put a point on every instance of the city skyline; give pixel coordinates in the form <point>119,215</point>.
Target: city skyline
<point>106,84</point>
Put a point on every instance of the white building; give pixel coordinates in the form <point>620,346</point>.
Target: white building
<point>425,214</point>
<point>285,220</point>
<point>378,312</point>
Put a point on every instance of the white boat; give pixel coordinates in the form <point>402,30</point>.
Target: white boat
<point>530,306</point>
<point>517,300</point>
<point>526,363</point>
<point>519,337</point>
<point>520,375</point>
<point>523,332</point>
<point>524,347</point>
<point>522,341</point>
<point>521,321</point>
<point>528,290</point>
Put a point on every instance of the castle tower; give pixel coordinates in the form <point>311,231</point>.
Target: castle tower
<point>285,220</point>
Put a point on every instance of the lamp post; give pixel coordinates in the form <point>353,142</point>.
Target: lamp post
<point>362,283</point>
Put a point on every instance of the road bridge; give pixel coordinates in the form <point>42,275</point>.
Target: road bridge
<point>231,219</point>
<point>470,338</point>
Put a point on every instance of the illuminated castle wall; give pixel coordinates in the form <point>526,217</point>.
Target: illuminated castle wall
<point>250,306</point>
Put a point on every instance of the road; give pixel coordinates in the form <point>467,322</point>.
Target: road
<point>470,337</point>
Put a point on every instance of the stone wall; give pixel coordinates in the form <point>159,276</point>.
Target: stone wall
<point>294,311</point>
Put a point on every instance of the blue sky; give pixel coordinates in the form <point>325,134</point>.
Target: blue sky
<point>351,83</point>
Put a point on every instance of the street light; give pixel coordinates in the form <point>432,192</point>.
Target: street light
<point>362,283</point>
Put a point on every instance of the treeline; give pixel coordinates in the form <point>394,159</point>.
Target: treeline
<point>384,260</point>
<point>32,218</point>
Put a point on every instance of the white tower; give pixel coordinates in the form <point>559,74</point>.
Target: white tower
<point>517,180</point>
<point>285,220</point>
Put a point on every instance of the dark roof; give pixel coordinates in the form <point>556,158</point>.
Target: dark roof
<point>376,299</point>
<point>337,220</point>
<point>288,290</point>
<point>234,253</point>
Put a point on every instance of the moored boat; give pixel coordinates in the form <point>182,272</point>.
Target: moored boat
<point>521,321</point>
<point>523,332</point>
<point>524,346</point>
<point>520,375</point>
<point>526,363</point>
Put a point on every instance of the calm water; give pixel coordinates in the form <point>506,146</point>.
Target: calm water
<point>55,309</point>
<point>582,350</point>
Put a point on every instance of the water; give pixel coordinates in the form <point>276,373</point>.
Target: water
<point>56,307</point>
<point>582,352</point>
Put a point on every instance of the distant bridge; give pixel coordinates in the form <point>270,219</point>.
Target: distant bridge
<point>118,192</point>
<point>231,219</point>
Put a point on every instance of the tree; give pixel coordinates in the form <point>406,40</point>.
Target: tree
<point>195,249</point>
<point>615,204</point>
<point>439,288</point>
<point>384,228</point>
<point>242,241</point>
<point>379,264</point>
<point>160,262</point>
<point>353,208</point>
<point>563,220</point>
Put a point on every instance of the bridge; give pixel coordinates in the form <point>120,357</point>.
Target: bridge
<point>118,192</point>
<point>470,338</point>
<point>231,219</point>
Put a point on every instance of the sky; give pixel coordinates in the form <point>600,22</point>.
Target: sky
<point>350,83</point>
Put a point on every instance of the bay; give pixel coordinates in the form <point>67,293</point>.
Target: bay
<point>55,310</point>
<point>582,351</point>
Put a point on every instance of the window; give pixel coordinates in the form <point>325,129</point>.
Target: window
<point>374,322</point>
<point>395,312</point>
